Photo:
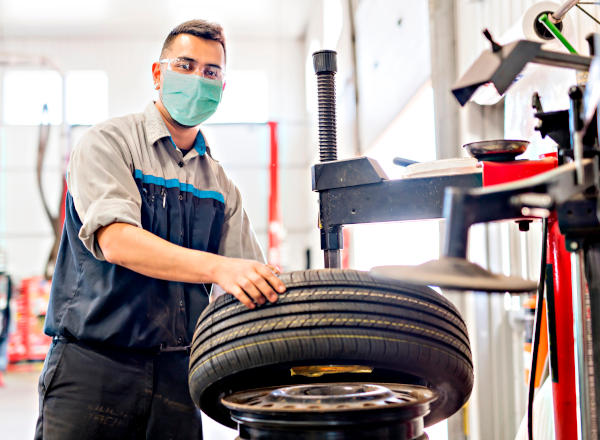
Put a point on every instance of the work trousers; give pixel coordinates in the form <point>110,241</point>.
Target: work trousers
<point>92,393</point>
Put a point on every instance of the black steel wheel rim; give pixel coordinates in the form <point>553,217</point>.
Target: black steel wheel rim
<point>344,410</point>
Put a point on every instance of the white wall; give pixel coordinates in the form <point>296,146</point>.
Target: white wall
<point>392,44</point>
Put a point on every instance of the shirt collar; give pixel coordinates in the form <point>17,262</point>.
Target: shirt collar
<point>156,130</point>
<point>200,143</point>
<point>155,126</point>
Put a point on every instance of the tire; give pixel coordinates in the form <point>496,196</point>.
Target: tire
<point>406,334</point>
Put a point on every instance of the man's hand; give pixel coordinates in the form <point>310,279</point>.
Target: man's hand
<point>249,281</point>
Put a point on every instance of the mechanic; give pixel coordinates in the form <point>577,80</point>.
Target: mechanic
<point>151,221</point>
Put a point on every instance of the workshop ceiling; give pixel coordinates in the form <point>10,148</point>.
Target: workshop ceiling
<point>149,18</point>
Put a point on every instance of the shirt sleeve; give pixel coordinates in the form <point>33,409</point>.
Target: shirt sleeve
<point>100,180</point>
<point>238,239</point>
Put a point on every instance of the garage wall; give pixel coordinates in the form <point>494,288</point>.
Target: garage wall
<point>392,49</point>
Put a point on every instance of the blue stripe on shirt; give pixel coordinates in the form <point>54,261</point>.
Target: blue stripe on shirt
<point>174,183</point>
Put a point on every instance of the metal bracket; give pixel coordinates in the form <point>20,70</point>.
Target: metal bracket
<point>501,67</point>
<point>345,173</point>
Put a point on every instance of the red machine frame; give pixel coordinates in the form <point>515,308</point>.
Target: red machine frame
<point>558,259</point>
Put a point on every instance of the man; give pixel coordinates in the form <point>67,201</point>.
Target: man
<point>150,218</point>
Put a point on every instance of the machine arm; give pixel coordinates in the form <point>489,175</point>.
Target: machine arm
<point>523,198</point>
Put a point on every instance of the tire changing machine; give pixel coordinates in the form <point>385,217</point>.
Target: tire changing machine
<point>357,191</point>
<point>350,191</point>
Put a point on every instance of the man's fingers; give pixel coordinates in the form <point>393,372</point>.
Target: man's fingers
<point>265,288</point>
<point>251,290</point>
<point>271,278</point>
<point>255,283</point>
<point>242,297</point>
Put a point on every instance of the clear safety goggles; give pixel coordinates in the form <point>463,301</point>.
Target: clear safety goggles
<point>190,66</point>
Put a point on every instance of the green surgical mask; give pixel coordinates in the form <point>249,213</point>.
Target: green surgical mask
<point>190,99</point>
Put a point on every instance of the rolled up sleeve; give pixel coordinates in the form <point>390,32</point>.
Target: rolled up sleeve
<point>100,180</point>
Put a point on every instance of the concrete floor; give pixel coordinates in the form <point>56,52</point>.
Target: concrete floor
<point>19,404</point>
<point>19,408</point>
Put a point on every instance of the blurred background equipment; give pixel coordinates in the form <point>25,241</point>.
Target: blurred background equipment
<point>5,314</point>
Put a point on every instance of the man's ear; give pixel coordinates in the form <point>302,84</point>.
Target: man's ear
<point>156,75</point>
<point>224,83</point>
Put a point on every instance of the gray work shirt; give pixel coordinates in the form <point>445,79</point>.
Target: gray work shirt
<point>128,170</point>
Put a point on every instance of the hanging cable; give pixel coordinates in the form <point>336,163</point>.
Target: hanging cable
<point>536,330</point>
<point>588,14</point>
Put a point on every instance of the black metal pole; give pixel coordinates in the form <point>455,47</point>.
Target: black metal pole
<point>325,64</point>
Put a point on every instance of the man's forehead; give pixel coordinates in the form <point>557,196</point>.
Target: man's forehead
<point>191,46</point>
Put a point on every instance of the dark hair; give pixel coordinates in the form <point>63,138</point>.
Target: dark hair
<point>197,28</point>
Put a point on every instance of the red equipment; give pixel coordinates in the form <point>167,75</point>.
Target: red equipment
<point>561,312</point>
<point>28,342</point>
<point>275,226</point>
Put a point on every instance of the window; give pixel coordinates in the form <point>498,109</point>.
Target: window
<point>25,92</point>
